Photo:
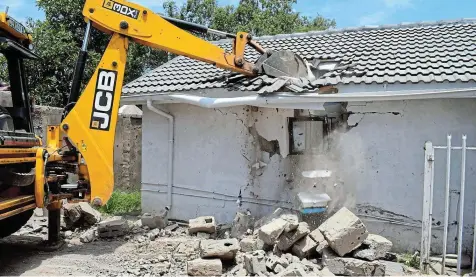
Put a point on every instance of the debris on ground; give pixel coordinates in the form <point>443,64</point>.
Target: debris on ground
<point>282,245</point>
<point>80,215</point>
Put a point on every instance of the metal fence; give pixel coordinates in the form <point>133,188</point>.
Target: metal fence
<point>428,185</point>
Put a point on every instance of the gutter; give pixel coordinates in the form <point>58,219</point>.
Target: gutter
<point>171,150</point>
<point>298,101</point>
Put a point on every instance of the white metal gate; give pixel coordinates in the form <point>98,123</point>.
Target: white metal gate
<point>428,185</point>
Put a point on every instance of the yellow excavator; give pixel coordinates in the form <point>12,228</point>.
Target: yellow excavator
<point>35,175</point>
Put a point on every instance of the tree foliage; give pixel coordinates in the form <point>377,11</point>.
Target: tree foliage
<point>58,38</point>
<point>258,17</point>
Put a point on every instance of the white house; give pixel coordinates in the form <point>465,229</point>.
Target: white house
<point>213,145</point>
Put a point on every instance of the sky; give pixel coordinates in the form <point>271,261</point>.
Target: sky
<point>347,13</point>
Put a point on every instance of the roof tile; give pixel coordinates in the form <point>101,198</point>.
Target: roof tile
<point>405,53</point>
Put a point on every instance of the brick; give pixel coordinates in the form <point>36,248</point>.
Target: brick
<point>355,267</point>
<point>373,248</point>
<point>255,262</point>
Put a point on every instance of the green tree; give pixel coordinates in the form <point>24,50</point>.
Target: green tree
<point>258,17</point>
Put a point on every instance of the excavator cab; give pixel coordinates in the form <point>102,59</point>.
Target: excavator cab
<point>18,143</point>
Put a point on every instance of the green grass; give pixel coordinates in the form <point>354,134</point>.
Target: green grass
<point>409,259</point>
<point>122,203</point>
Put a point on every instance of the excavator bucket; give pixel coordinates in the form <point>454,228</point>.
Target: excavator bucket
<point>283,63</point>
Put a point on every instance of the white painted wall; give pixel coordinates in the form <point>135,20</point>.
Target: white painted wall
<point>377,165</point>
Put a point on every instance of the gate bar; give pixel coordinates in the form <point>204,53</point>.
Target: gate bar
<point>473,264</point>
<point>461,205</point>
<point>447,202</point>
<point>427,208</point>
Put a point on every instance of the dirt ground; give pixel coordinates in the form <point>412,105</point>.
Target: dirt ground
<point>23,254</point>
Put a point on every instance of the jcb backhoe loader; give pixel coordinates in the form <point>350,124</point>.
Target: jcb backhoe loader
<point>34,175</point>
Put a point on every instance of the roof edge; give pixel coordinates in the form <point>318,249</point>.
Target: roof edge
<point>401,25</point>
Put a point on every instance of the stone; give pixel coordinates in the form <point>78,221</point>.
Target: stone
<point>451,260</point>
<point>326,272</point>
<point>89,214</point>
<point>68,234</point>
<point>172,227</point>
<point>394,269</point>
<point>72,213</point>
<point>373,248</point>
<point>271,261</point>
<point>287,240</point>
<point>201,267</point>
<point>293,222</point>
<point>267,219</point>
<point>278,268</point>
<point>294,269</point>
<point>321,242</point>
<point>355,267</point>
<point>113,227</point>
<point>270,232</point>
<point>255,262</point>
<point>204,224</point>
<point>224,249</point>
<point>153,234</point>
<point>304,247</point>
<point>154,221</point>
<point>241,224</point>
<point>88,236</point>
<point>202,235</point>
<point>250,244</point>
<point>344,231</point>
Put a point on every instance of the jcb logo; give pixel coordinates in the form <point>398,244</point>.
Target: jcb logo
<point>103,100</point>
<point>120,8</point>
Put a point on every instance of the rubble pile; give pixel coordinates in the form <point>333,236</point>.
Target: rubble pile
<point>277,245</point>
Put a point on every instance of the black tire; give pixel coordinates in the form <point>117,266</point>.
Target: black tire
<point>12,224</point>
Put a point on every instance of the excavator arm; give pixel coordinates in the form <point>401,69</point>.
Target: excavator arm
<point>88,129</point>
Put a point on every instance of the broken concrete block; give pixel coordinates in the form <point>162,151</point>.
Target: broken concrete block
<point>241,224</point>
<point>344,231</point>
<point>201,267</point>
<point>321,242</point>
<point>287,240</point>
<point>153,234</point>
<point>270,232</point>
<point>250,244</point>
<point>171,227</point>
<point>294,269</point>
<point>154,221</point>
<point>224,249</point>
<point>267,219</point>
<point>72,212</point>
<point>271,261</point>
<point>90,215</point>
<point>325,272</point>
<point>202,235</point>
<point>278,268</point>
<point>355,267</point>
<point>88,236</point>
<point>255,262</point>
<point>304,247</point>
<point>113,227</point>
<point>204,224</point>
<point>293,222</point>
<point>374,247</point>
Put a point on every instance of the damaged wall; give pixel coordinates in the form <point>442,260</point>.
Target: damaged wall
<point>376,166</point>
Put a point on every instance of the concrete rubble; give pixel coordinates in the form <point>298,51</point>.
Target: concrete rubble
<point>282,246</point>
<point>344,231</point>
<point>201,267</point>
<point>374,247</point>
<point>224,249</point>
<point>205,224</point>
<point>154,221</point>
<point>80,214</point>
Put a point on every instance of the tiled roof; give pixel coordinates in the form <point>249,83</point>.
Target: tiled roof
<point>404,53</point>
